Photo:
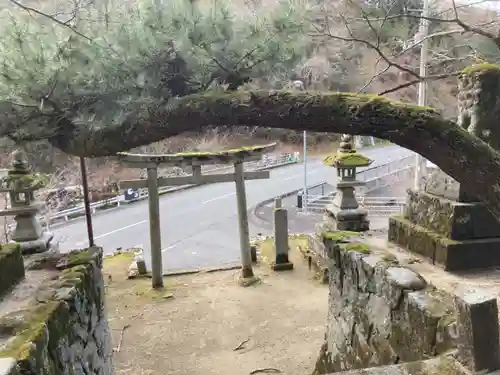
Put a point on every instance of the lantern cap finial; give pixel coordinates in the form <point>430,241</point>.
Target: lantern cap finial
<point>19,162</point>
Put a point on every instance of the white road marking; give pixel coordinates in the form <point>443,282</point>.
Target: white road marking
<point>302,174</point>
<point>114,231</point>
<point>170,247</point>
<point>217,198</point>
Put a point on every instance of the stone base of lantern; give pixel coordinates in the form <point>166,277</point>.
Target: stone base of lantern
<point>354,220</point>
<point>39,245</point>
<point>27,228</point>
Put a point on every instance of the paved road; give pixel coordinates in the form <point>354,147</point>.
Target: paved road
<point>199,226</point>
<point>300,222</point>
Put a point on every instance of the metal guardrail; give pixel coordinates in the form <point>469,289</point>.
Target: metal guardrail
<point>375,205</point>
<point>365,175</point>
<point>264,163</point>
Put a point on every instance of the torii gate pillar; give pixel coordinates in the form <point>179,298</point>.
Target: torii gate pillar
<point>195,160</point>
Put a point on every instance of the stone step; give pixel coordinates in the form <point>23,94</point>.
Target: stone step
<point>453,255</point>
<point>452,219</point>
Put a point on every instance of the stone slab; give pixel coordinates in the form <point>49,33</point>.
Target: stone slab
<point>477,322</point>
<point>452,219</point>
<point>436,366</point>
<point>453,255</point>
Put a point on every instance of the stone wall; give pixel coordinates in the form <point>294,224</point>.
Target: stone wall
<point>53,320</point>
<point>384,318</point>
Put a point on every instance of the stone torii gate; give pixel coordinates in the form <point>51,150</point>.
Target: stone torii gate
<point>195,160</point>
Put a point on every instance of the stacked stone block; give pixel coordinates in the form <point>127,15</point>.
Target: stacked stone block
<point>446,223</point>
<point>460,236</point>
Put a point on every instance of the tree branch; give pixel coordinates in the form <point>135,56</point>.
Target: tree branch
<point>460,154</point>
<point>52,18</point>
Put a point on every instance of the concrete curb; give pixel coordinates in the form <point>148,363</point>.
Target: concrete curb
<point>203,270</point>
<point>263,221</point>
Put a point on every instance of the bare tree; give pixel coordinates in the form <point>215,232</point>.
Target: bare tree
<point>459,36</point>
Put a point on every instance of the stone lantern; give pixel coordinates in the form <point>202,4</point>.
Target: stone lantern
<point>21,184</point>
<point>344,212</point>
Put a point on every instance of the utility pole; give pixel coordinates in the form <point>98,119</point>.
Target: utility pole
<point>304,200</point>
<point>420,162</point>
<point>86,202</point>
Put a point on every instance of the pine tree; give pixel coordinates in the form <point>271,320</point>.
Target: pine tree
<point>106,67</point>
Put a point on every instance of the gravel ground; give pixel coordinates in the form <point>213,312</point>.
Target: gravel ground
<point>193,326</point>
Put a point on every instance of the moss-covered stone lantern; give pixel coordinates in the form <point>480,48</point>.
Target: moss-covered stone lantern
<point>21,184</point>
<point>344,212</point>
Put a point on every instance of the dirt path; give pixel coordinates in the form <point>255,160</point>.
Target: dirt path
<point>193,327</point>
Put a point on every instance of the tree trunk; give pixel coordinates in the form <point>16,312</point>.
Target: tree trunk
<point>463,156</point>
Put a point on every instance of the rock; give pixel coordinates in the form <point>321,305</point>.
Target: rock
<point>133,271</point>
<point>406,278</point>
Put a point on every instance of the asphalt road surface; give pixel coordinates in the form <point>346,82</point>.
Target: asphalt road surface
<point>199,226</point>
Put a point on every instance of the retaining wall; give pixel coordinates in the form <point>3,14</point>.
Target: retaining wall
<point>385,318</point>
<point>53,320</point>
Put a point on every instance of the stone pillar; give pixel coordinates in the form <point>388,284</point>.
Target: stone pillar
<point>281,245</point>
<point>241,205</point>
<point>154,229</point>
<point>444,222</point>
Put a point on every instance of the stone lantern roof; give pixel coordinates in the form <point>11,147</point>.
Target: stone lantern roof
<point>346,156</point>
<point>20,177</point>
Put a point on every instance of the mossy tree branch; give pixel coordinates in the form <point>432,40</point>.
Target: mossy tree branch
<point>460,154</point>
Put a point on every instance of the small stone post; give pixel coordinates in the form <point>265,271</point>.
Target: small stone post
<point>478,332</point>
<point>241,201</point>
<point>281,246</point>
<point>154,229</point>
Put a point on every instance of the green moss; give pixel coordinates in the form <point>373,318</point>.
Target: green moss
<point>391,259</point>
<point>78,257</point>
<point>27,333</point>
<point>339,235</point>
<point>206,154</point>
<point>347,160</point>
<point>481,68</point>
<point>358,247</point>
<point>21,181</point>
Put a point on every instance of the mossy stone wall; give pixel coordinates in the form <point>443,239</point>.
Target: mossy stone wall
<point>63,330</point>
<point>380,313</point>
